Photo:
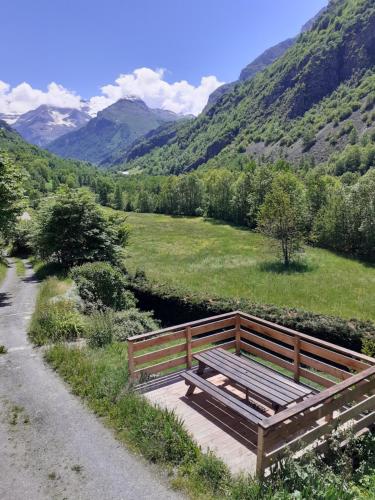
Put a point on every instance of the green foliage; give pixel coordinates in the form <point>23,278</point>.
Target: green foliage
<point>100,329</point>
<point>11,192</point>
<point>132,322</point>
<point>283,215</point>
<point>21,238</point>
<point>72,229</point>
<point>102,286</point>
<point>56,317</point>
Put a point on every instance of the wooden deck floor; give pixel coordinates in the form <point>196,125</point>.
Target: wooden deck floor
<point>212,425</point>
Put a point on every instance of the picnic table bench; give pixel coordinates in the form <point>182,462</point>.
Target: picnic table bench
<point>256,379</point>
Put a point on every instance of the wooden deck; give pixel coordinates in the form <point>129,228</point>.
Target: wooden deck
<point>212,425</point>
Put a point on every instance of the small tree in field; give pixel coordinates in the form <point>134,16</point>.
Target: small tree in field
<point>283,215</point>
<point>72,229</point>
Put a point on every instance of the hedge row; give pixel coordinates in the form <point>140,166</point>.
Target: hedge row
<point>172,306</point>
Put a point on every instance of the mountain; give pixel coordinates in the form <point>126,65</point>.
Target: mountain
<point>111,131</point>
<point>267,58</point>
<point>312,102</point>
<point>46,123</point>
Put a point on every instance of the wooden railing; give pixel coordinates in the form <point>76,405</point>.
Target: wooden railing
<point>343,376</point>
<point>307,422</point>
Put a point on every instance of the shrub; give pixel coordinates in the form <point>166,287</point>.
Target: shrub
<point>174,306</point>
<point>55,322</point>
<point>103,286</point>
<point>100,329</point>
<point>132,322</point>
<point>21,238</point>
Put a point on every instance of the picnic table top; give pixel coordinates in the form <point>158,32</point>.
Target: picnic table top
<point>256,378</point>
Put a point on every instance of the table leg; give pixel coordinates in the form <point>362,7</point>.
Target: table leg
<point>190,390</point>
<point>201,368</point>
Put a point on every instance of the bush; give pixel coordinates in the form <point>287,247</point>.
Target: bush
<point>173,307</point>
<point>21,238</point>
<point>132,322</point>
<point>100,329</point>
<point>55,322</point>
<point>102,286</point>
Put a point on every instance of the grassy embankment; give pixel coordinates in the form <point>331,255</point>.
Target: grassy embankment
<point>222,260</point>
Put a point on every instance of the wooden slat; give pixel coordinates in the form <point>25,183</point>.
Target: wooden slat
<point>172,363</point>
<point>267,356</point>
<point>188,347</point>
<point>280,434</point>
<point>322,397</point>
<point>324,367</point>
<point>266,330</point>
<point>267,372</point>
<point>226,345</point>
<point>216,325</point>
<point>182,326</point>
<point>160,353</point>
<point>210,339</point>
<point>330,355</point>
<point>268,344</point>
<point>231,401</point>
<point>251,382</point>
<point>162,339</point>
<point>314,377</point>
<point>308,338</point>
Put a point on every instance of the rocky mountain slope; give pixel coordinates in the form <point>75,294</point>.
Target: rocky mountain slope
<point>310,99</point>
<point>111,131</point>
<point>44,124</point>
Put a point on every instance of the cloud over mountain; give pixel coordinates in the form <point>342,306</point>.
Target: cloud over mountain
<point>148,84</point>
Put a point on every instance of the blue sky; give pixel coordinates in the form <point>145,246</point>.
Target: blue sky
<point>83,45</point>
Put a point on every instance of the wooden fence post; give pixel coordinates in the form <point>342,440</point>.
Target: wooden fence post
<point>238,334</point>
<point>131,360</point>
<point>189,355</point>
<point>296,364</point>
<point>260,453</point>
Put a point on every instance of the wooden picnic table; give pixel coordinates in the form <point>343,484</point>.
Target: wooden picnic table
<point>256,380</point>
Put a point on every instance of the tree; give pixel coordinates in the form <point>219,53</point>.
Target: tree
<point>283,214</point>
<point>72,229</point>
<point>119,198</point>
<point>11,193</point>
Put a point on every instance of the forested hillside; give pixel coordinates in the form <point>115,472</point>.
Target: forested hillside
<point>312,102</point>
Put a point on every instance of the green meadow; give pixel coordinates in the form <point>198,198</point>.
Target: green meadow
<point>213,258</point>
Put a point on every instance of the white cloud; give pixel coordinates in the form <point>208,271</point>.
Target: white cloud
<point>24,97</point>
<point>150,85</point>
<point>145,83</point>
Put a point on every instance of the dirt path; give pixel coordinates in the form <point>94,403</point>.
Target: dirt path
<point>51,446</point>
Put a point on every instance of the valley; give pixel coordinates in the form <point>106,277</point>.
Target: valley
<point>220,260</point>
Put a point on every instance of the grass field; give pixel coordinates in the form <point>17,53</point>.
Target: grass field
<point>219,259</point>
<point>3,271</point>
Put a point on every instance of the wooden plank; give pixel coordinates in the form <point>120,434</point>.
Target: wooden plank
<point>160,353</point>
<point>238,334</point>
<point>280,434</point>
<point>231,401</point>
<point>172,363</point>
<point>226,345</point>
<point>267,356</point>
<point>212,326</point>
<point>318,379</point>
<point>252,382</point>
<point>181,327</point>
<point>216,337</point>
<point>319,398</point>
<point>260,453</point>
<point>162,339</point>
<point>250,371</point>
<point>324,367</point>
<point>336,357</point>
<point>265,330</point>
<point>268,344</point>
<point>308,338</point>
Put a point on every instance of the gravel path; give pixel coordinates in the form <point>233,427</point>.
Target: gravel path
<point>51,446</point>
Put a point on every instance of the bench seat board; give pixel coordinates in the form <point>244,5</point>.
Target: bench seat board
<point>231,402</point>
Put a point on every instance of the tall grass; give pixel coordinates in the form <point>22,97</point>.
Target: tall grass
<point>55,318</point>
<point>219,259</point>
<point>3,270</point>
